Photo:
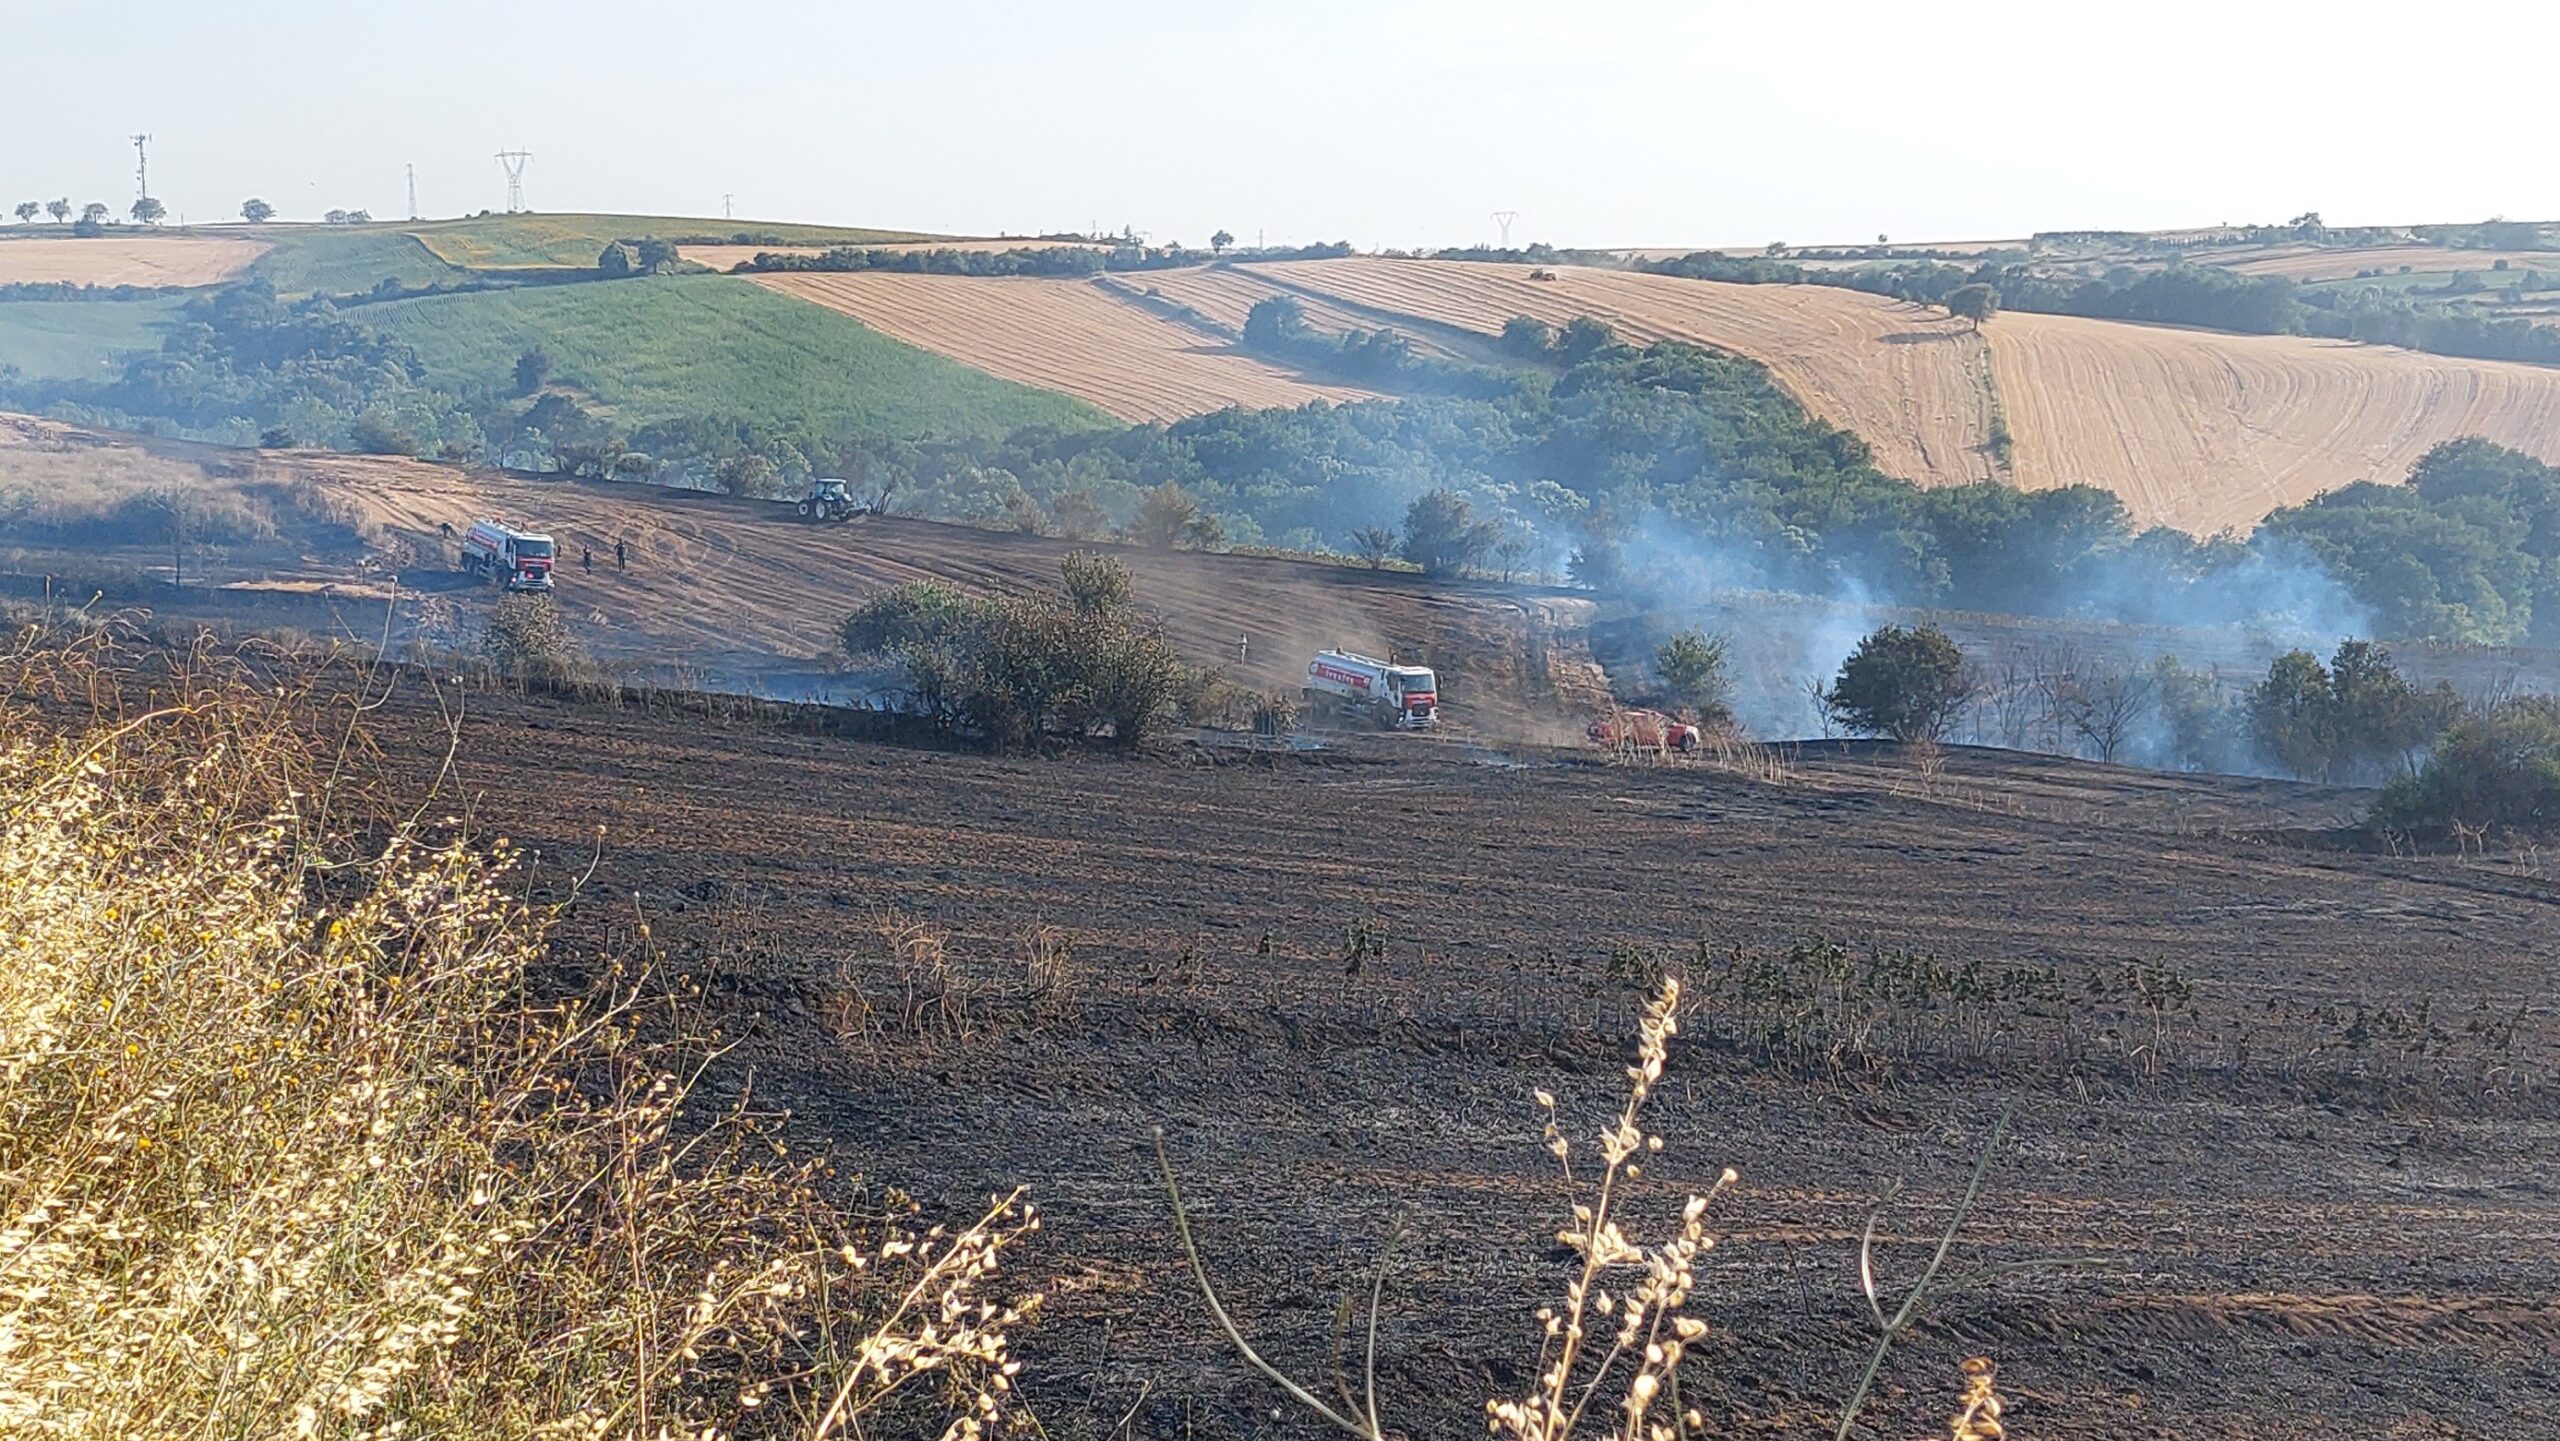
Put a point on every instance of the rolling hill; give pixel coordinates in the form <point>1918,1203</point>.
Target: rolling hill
<point>125,258</point>
<point>1065,335</point>
<point>676,346</point>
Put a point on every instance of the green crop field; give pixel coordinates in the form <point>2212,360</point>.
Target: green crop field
<point>345,260</point>
<point>80,339</point>
<point>705,345</point>
<point>497,242</point>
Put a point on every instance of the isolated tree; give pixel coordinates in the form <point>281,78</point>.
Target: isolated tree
<point>1442,534</point>
<point>2103,706</point>
<point>533,370</point>
<point>335,217</point>
<point>528,633</point>
<point>1903,683</point>
<point>616,261</point>
<point>1077,515</point>
<point>1975,303</point>
<point>1219,242</point>
<point>1512,546</point>
<point>359,217</point>
<point>752,476</point>
<point>28,211</point>
<point>1096,584</point>
<point>60,210</point>
<point>1527,337</point>
<point>1696,674</point>
<point>1205,531</point>
<point>1584,337</point>
<point>1165,513</point>
<point>1274,320</point>
<point>652,254</point>
<point>2292,715</point>
<point>147,211</point>
<point>256,211</point>
<point>1373,543</point>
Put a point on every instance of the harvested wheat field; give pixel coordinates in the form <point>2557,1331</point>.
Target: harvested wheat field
<point>2314,262</point>
<point>2193,429</point>
<point>1063,335</point>
<point>154,260</point>
<point>1914,384</point>
<point>2205,431</point>
<point>1227,294</point>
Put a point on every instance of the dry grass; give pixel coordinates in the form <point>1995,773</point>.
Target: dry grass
<point>126,259</point>
<point>286,1150</point>
<point>1611,1350</point>
<point>1065,335</point>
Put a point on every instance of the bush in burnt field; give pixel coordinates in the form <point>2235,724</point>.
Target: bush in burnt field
<point>1903,683</point>
<point>1018,671</point>
<point>2497,769</point>
<point>526,635</point>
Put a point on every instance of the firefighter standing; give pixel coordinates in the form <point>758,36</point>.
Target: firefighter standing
<point>621,557</point>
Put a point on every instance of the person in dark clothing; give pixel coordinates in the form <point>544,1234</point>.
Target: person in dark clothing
<point>621,557</point>
<point>587,559</point>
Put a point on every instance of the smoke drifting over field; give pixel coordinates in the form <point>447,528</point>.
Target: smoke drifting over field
<point>1790,625</point>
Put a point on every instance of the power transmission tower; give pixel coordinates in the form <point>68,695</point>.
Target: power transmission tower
<point>728,209</point>
<point>413,192</point>
<point>1504,218</point>
<point>514,161</point>
<point>142,167</point>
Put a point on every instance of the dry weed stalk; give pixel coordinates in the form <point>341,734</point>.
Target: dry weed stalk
<point>1979,1418</point>
<point>1617,1341</point>
<point>286,1151</point>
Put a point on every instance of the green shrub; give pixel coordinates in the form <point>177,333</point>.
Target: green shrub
<point>1902,683</point>
<point>2496,768</point>
<point>1697,675</point>
<point>526,633</point>
<point>1016,670</point>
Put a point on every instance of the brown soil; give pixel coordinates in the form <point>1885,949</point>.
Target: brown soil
<point>2281,1250</point>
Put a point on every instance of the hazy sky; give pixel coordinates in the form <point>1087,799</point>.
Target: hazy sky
<point>1383,122</point>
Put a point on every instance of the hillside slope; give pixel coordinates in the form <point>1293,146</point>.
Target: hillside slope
<point>136,257</point>
<point>1064,335</point>
<point>743,593</point>
<point>678,346</point>
<point>2193,429</point>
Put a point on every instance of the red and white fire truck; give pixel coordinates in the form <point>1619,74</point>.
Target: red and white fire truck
<point>1404,696</point>
<point>517,559</point>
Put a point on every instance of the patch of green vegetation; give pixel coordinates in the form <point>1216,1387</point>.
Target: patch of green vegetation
<point>344,260</point>
<point>80,339</point>
<point>672,347</point>
<point>500,242</point>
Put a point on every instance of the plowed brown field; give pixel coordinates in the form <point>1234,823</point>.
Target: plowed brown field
<point>2193,429</point>
<point>1064,335</point>
<point>160,260</point>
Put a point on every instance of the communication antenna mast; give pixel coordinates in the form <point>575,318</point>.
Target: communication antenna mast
<point>1504,218</point>
<point>728,208</point>
<point>142,167</point>
<point>413,192</point>
<point>514,161</point>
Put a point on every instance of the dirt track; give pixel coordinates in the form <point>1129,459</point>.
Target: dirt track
<point>2240,1255</point>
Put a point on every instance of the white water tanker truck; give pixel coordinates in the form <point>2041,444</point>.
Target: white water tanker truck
<point>1406,697</point>
<point>517,559</point>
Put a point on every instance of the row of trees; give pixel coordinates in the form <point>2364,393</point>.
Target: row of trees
<point>93,217</point>
<point>2355,719</point>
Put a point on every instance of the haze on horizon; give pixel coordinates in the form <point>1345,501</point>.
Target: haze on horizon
<point>1385,122</point>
